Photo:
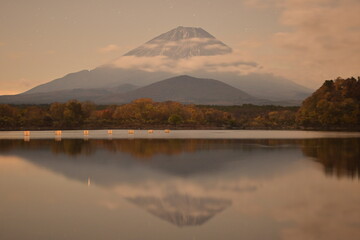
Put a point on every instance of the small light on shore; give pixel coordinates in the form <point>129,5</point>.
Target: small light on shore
<point>167,131</point>
<point>86,132</point>
<point>110,132</point>
<point>150,131</point>
<point>131,132</point>
<point>26,133</point>
<point>58,133</point>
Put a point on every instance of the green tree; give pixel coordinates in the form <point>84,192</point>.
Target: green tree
<point>56,112</point>
<point>175,119</point>
<point>73,114</point>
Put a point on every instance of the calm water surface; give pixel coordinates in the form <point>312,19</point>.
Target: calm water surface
<point>213,185</point>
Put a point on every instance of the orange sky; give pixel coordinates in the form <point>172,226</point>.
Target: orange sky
<point>306,41</point>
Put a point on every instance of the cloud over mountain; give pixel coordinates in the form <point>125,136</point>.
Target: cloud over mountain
<point>184,50</point>
<point>219,63</point>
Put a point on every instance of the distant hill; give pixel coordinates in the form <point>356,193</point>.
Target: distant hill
<point>265,85</point>
<point>186,89</point>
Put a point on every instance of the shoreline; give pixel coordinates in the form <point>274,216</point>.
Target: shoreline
<point>159,128</point>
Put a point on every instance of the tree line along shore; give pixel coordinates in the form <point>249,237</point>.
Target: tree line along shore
<point>334,106</point>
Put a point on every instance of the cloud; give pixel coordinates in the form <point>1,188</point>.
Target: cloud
<point>109,48</point>
<point>260,3</point>
<point>233,62</point>
<point>150,45</point>
<point>25,82</point>
<point>16,86</point>
<point>216,46</point>
<point>15,56</point>
<point>322,43</point>
<point>50,52</point>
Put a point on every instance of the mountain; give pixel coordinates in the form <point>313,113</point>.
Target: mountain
<point>182,42</point>
<point>186,89</point>
<point>266,85</point>
<point>180,51</point>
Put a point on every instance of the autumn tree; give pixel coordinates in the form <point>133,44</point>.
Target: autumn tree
<point>336,104</point>
<point>33,116</point>
<point>56,113</point>
<point>8,116</point>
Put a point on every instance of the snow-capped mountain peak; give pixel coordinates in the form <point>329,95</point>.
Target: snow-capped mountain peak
<point>182,42</point>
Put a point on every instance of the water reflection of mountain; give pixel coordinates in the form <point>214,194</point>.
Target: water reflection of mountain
<point>138,148</point>
<point>182,210</point>
<point>185,182</point>
<point>135,161</point>
<point>339,157</point>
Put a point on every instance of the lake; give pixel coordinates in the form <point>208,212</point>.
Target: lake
<point>180,185</point>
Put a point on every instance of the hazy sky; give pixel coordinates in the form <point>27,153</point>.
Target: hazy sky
<point>306,41</point>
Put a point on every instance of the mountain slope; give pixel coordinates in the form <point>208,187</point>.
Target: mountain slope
<point>102,77</point>
<point>265,86</point>
<point>64,95</point>
<point>186,89</point>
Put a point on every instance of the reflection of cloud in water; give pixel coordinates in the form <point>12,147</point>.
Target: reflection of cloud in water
<point>196,171</point>
<point>260,179</point>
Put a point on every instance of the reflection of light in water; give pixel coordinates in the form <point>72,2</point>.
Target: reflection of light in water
<point>89,181</point>
<point>27,138</point>
<point>58,138</point>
